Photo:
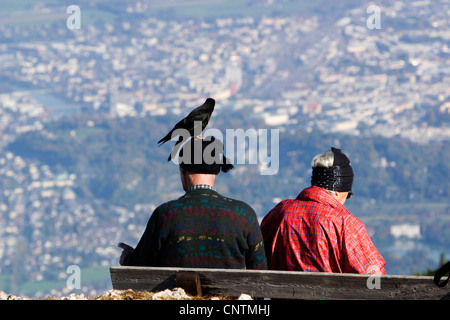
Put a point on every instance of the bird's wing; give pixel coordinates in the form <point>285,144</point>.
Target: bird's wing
<point>201,114</point>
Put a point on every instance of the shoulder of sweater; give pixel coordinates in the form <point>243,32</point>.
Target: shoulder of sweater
<point>235,201</point>
<point>208,193</point>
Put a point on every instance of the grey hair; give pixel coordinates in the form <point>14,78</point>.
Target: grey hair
<point>325,159</point>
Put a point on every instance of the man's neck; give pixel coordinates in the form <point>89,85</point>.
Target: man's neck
<point>194,179</point>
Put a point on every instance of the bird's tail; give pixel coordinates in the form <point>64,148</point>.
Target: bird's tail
<point>165,139</point>
<point>175,149</point>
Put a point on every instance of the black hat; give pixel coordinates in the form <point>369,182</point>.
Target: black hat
<point>338,177</point>
<point>204,155</point>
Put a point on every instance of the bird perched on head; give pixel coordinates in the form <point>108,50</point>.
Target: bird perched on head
<point>195,122</point>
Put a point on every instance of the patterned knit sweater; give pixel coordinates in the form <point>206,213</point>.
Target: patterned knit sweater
<point>201,229</point>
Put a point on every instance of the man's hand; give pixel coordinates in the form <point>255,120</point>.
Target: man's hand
<point>126,251</point>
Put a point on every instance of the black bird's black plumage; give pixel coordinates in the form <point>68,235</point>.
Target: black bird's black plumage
<point>200,114</point>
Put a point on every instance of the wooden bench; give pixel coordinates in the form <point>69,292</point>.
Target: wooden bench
<point>278,284</point>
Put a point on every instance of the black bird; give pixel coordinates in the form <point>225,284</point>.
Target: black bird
<point>190,123</point>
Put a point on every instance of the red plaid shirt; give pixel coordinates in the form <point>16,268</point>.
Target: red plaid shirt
<point>316,233</point>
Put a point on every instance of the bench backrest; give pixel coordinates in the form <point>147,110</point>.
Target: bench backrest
<point>277,284</point>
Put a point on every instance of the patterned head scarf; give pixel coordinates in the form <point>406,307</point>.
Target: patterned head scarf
<point>338,177</point>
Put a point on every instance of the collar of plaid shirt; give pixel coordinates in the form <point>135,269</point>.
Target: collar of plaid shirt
<point>201,186</point>
<point>319,195</point>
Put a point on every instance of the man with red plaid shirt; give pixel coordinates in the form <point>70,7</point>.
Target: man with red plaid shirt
<point>315,232</point>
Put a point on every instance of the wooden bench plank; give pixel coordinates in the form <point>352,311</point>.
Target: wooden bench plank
<point>282,284</point>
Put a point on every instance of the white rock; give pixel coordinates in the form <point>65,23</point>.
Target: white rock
<point>3,295</point>
<point>6,296</point>
<point>244,296</point>
<point>74,296</point>
<point>116,294</point>
<point>175,294</point>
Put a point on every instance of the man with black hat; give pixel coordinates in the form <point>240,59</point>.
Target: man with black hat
<point>315,232</point>
<point>202,228</point>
